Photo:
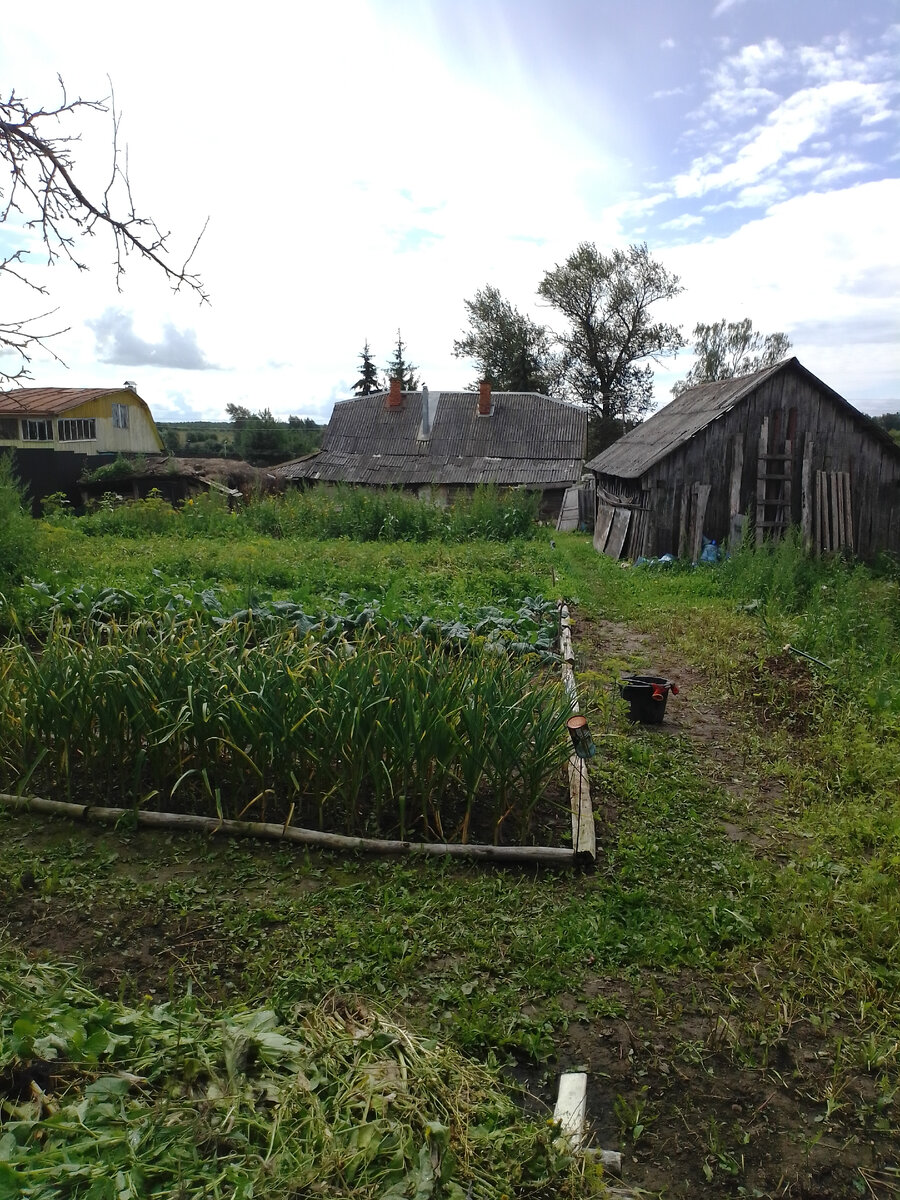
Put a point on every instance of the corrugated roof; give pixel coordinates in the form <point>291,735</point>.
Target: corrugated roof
<point>49,402</point>
<point>685,416</point>
<point>527,439</point>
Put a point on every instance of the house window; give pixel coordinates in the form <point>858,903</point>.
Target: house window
<point>9,429</point>
<point>79,429</point>
<point>37,431</point>
<point>120,416</point>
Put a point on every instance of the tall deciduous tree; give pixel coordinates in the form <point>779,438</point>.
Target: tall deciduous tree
<point>399,368</point>
<point>726,349</point>
<point>42,193</point>
<point>368,380</point>
<point>607,300</point>
<point>510,351</point>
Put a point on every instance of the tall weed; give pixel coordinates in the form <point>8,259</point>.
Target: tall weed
<point>18,530</point>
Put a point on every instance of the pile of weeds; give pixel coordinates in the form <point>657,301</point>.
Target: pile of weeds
<point>102,1100</point>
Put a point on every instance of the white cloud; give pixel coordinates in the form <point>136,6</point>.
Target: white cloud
<point>684,222</point>
<point>796,121</point>
<point>725,6</point>
<point>824,260</point>
<point>118,343</point>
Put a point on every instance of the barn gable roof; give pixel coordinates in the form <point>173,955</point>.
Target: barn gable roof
<point>50,402</point>
<point>526,439</point>
<point>685,416</point>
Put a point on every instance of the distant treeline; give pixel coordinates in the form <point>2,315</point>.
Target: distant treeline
<point>257,438</point>
<point>890,422</point>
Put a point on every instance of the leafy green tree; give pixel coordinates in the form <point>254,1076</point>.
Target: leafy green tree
<point>399,368</point>
<point>727,349</point>
<point>889,421</point>
<point>510,351</point>
<point>368,381</point>
<point>262,440</point>
<point>607,301</point>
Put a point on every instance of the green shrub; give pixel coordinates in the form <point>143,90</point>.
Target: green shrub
<point>18,530</point>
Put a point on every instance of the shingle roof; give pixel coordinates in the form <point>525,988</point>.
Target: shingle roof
<point>685,416</point>
<point>527,439</point>
<point>40,402</point>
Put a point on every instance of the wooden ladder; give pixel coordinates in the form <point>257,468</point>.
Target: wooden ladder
<point>773,488</point>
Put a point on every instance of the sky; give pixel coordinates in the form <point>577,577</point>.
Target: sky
<point>364,166</point>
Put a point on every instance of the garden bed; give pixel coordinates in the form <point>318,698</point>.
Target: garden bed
<point>352,723</point>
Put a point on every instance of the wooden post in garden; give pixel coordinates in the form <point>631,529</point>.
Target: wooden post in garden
<point>584,836</point>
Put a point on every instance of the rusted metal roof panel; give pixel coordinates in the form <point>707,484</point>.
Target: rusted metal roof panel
<point>39,402</point>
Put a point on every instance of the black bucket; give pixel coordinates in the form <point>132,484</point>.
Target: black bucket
<point>646,696</point>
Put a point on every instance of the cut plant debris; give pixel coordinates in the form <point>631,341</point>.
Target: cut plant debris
<point>103,1100</point>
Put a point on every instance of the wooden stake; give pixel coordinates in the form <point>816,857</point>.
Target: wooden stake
<point>584,833</point>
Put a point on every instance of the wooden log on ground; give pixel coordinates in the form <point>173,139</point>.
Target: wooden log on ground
<point>559,856</point>
<point>584,833</point>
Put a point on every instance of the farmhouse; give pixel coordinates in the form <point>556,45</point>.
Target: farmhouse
<point>768,450</point>
<point>56,432</point>
<point>441,443</point>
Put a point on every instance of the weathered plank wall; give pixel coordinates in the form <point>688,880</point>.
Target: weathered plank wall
<point>725,455</point>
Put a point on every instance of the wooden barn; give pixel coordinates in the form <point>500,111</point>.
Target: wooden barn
<point>772,449</point>
<point>438,444</point>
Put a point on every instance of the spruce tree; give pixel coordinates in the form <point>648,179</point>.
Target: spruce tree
<point>368,381</point>
<point>399,368</point>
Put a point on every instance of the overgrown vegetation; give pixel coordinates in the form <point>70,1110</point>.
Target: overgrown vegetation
<point>324,514</point>
<point>18,534</point>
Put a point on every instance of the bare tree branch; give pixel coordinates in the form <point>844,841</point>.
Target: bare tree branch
<point>43,190</point>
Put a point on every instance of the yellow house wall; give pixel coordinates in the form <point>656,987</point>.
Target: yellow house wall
<point>141,436</point>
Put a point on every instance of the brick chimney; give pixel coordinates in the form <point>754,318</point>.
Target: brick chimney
<point>484,399</point>
<point>395,395</point>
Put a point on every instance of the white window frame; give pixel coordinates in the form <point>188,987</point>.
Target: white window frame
<point>77,429</point>
<point>120,416</point>
<point>36,430</point>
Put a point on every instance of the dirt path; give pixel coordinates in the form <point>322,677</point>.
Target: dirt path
<point>673,1081</point>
